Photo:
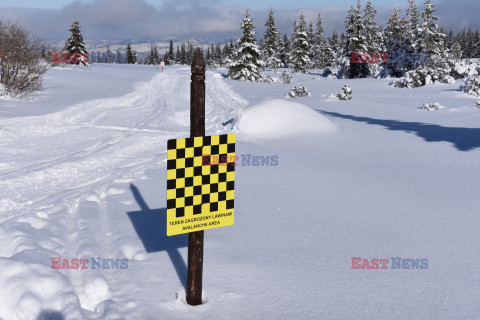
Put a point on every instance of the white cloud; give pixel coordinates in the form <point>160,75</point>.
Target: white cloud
<point>137,20</point>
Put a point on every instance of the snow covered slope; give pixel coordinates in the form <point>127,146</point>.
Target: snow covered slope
<point>83,175</point>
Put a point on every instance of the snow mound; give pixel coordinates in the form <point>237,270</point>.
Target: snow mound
<point>279,118</point>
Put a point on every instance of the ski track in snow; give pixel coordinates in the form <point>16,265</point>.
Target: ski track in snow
<point>76,159</point>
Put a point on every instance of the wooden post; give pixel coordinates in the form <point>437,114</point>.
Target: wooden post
<point>197,129</point>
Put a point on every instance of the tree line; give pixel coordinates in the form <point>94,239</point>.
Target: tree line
<point>308,48</point>
<point>412,40</point>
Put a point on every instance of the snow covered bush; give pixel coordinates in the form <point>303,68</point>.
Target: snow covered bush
<point>477,104</point>
<point>21,64</point>
<point>345,93</point>
<point>286,78</point>
<point>295,92</point>
<point>423,77</point>
<point>267,79</point>
<point>472,86</point>
<point>447,79</point>
<point>465,68</point>
<point>432,106</point>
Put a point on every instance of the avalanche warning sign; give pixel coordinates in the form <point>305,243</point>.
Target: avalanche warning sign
<point>200,183</point>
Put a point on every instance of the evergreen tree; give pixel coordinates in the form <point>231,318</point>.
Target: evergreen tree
<point>210,61</point>
<point>74,45</point>
<point>310,31</point>
<point>118,58</point>
<point>130,54</point>
<point>334,42</point>
<point>108,55</point>
<point>300,46</point>
<point>323,54</point>
<point>476,47</point>
<point>412,14</point>
<point>135,57</point>
<point>342,40</point>
<point>395,44</point>
<point>208,57</point>
<point>245,66</point>
<point>373,37</point>
<point>462,41</point>
<point>213,57</point>
<point>190,53</point>
<point>412,27</point>
<point>183,54</point>
<point>226,54</point>
<point>467,43</point>
<point>373,33</point>
<point>43,52</point>
<point>271,43</point>
<point>437,60</point>
<point>170,56</point>
<point>355,42</point>
<point>456,50</point>
<point>436,64</point>
<point>450,39</point>
<point>151,56</point>
<point>430,41</point>
<point>285,53</point>
<point>177,55</point>
<point>318,41</point>
<point>233,48</point>
<point>311,41</point>
<point>218,54</point>
<point>156,56</point>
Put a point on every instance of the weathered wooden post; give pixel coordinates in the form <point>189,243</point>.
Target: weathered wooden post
<point>197,129</point>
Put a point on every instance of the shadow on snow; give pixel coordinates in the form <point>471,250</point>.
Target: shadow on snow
<point>464,139</point>
<point>50,315</point>
<point>151,227</point>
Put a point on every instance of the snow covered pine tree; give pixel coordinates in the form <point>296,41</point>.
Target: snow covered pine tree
<point>373,36</point>
<point>300,47</point>
<point>75,47</point>
<point>437,64</point>
<point>323,55</point>
<point>245,65</point>
<point>355,41</point>
<point>272,44</point>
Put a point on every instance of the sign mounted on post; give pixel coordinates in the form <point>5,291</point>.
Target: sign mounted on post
<point>200,183</point>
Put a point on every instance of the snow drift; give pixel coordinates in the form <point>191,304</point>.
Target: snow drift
<point>279,118</point>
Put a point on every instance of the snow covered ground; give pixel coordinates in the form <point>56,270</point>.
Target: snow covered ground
<point>83,174</point>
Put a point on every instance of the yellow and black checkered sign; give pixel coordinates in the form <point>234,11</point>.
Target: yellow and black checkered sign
<point>200,183</point>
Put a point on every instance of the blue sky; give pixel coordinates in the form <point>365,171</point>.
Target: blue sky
<point>279,4</point>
